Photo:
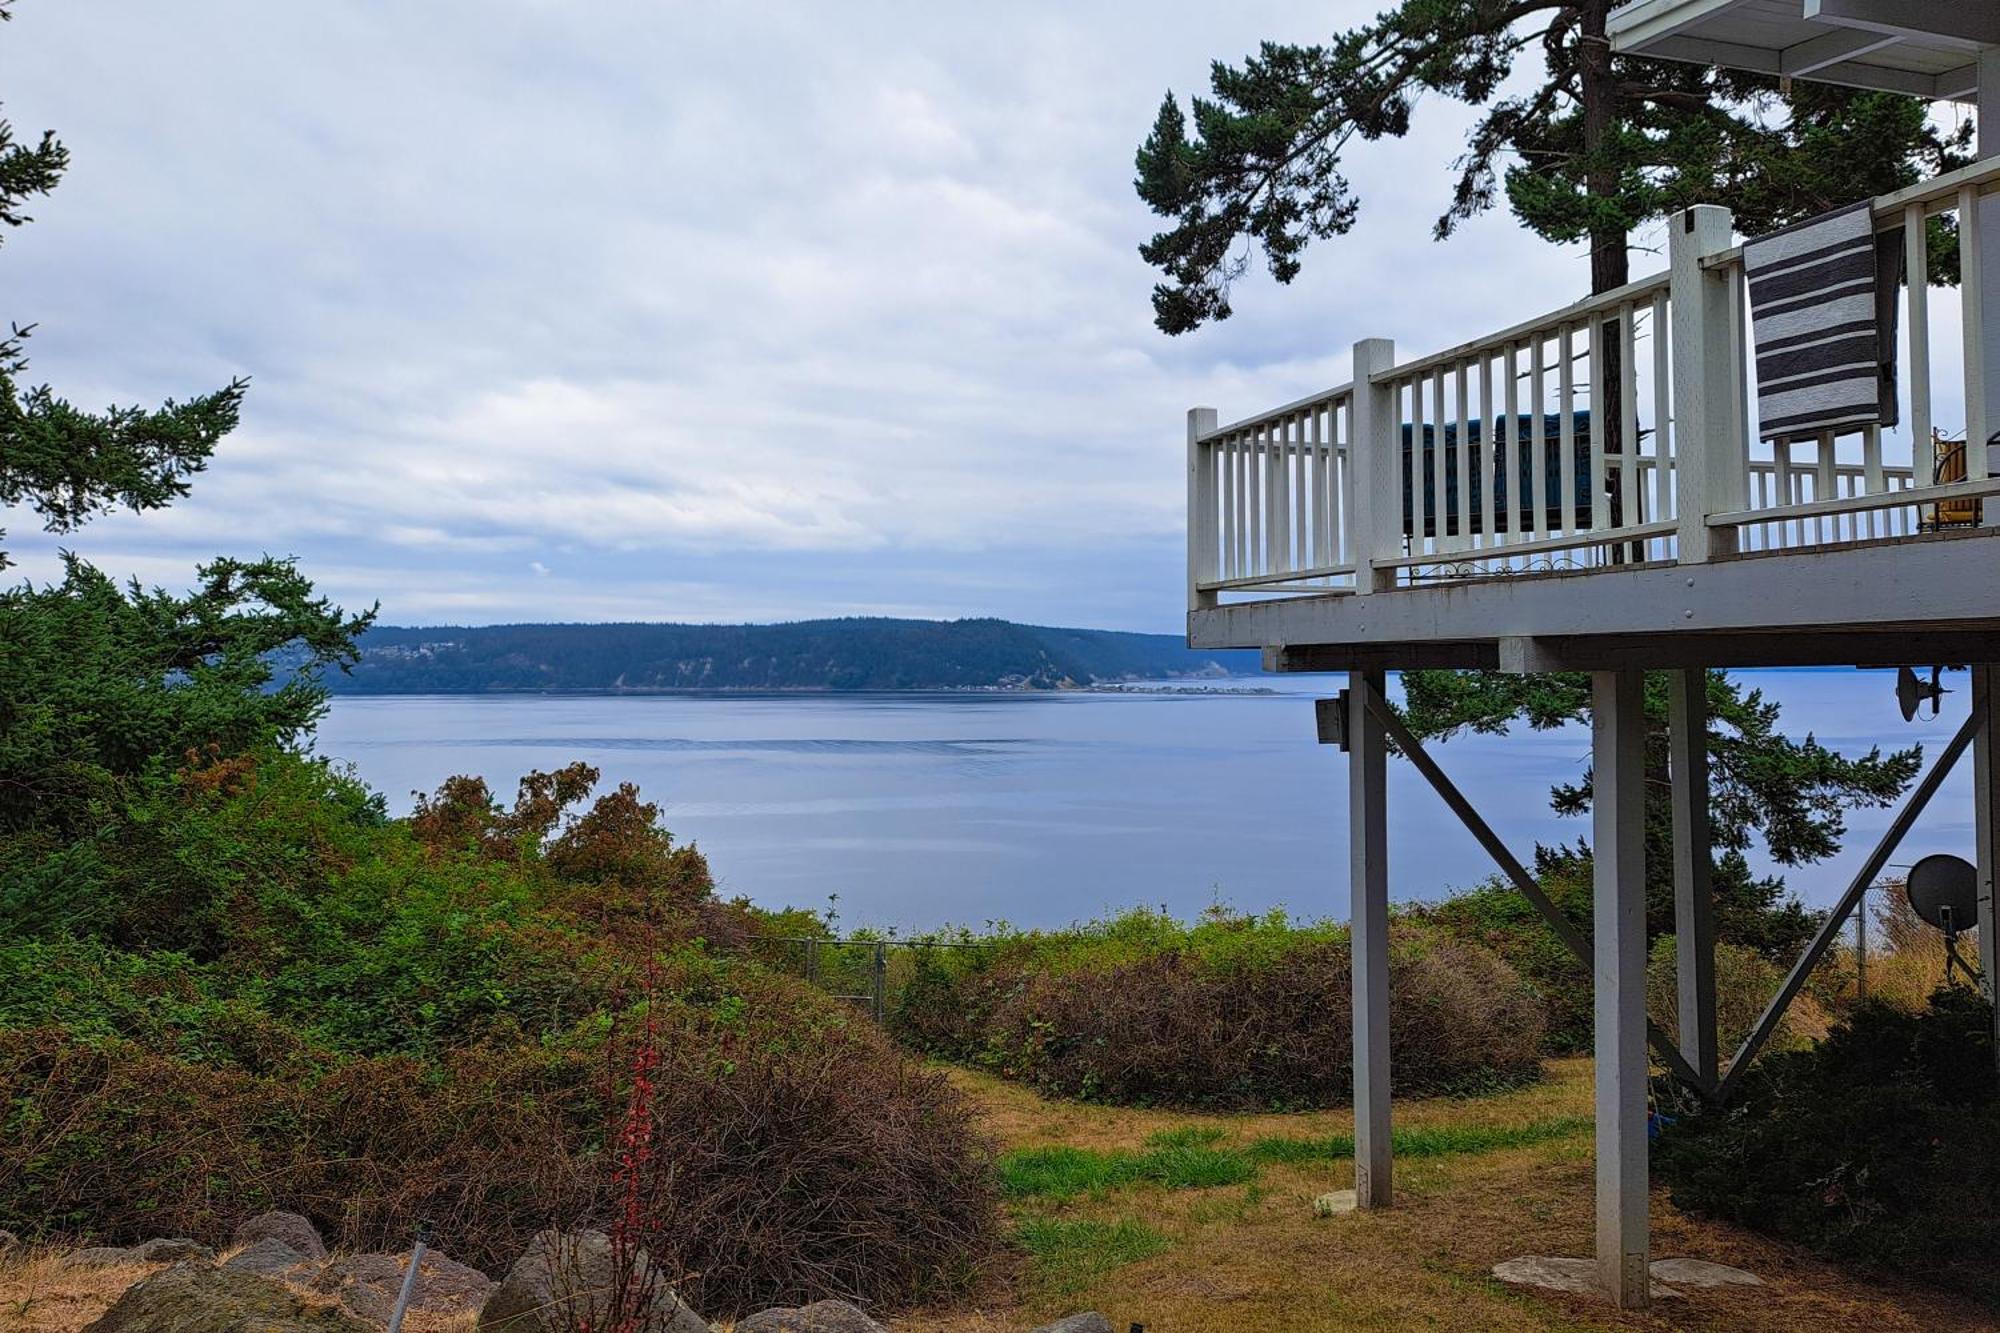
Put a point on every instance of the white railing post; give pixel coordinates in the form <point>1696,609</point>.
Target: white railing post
<point>1981,294</point>
<point>1202,545</point>
<point>1710,451</point>
<point>1374,457</point>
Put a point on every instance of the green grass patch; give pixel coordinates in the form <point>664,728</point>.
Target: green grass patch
<point>1422,1141</point>
<point>1067,1256</point>
<point>1059,1172</point>
<point>1179,1160</point>
<point>1196,1158</point>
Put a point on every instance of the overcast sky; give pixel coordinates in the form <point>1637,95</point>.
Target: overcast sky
<point>642,310</point>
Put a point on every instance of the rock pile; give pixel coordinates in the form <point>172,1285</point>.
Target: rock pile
<point>288,1229</point>
<point>562,1282</point>
<point>196,1297</point>
<point>368,1284</point>
<point>159,1250</point>
<point>819,1317</point>
<point>566,1280</point>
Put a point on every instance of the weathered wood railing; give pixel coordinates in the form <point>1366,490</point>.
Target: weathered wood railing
<point>1615,430</point>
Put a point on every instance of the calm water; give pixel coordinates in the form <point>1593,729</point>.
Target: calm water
<point>925,809</point>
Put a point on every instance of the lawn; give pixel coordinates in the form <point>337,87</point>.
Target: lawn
<point>1202,1223</point>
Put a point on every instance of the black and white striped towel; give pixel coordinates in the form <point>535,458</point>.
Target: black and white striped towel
<point>1823,317</point>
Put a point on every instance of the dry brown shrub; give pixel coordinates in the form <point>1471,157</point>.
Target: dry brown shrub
<point>798,1154</point>
<point>1745,981</point>
<point>462,814</point>
<point>1906,955</point>
<point>1168,1030</point>
<point>109,1139</point>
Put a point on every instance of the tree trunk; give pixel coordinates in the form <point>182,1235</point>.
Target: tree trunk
<point>1610,267</point>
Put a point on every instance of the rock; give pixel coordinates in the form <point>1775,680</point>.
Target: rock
<point>1577,1276</point>
<point>563,1279</point>
<point>193,1297</point>
<point>270,1257</point>
<point>819,1317</point>
<point>1333,1204</point>
<point>295,1231</point>
<point>1702,1273</point>
<point>168,1250</point>
<point>368,1284</point>
<point>1091,1322</point>
<point>98,1256</point>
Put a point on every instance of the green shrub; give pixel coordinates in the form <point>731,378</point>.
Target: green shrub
<point>1874,1148</point>
<point>258,992</point>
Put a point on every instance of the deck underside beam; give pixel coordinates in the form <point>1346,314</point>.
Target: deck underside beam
<point>1844,605</point>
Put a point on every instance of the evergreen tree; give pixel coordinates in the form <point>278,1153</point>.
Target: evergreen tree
<point>97,682</point>
<point>1597,146</point>
<point>1789,794</point>
<point>67,464</point>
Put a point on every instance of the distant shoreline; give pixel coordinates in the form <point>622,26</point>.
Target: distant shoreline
<point>817,691</point>
<point>807,657</point>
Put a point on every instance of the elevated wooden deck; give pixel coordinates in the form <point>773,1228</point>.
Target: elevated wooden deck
<point>1589,490</point>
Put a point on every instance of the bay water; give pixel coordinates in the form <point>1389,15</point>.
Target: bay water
<point>917,811</point>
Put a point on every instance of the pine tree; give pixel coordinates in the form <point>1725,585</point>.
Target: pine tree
<point>1792,795</point>
<point>98,682</point>
<point>65,463</point>
<point>1600,145</point>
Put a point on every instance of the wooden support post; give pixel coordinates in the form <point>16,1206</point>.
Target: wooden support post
<point>1986,831</point>
<point>1708,444</point>
<point>1694,900</point>
<point>1368,886</point>
<point>1374,461</point>
<point>1618,828</point>
<point>880,981</point>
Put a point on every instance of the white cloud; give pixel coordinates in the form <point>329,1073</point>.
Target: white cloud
<point>838,305</point>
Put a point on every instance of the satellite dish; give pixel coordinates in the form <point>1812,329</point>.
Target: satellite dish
<point>1944,890</point>
<point>1911,692</point>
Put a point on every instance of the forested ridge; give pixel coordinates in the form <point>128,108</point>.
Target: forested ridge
<point>843,654</point>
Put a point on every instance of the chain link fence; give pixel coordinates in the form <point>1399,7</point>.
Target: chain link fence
<point>864,972</point>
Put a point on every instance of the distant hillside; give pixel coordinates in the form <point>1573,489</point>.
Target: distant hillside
<point>851,654</point>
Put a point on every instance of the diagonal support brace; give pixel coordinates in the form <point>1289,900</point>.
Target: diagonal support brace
<point>1573,939</point>
<point>1830,928</point>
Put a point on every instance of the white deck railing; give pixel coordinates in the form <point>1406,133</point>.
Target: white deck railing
<point>1616,430</point>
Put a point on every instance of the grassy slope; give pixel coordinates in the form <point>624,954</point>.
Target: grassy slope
<point>1251,1255</point>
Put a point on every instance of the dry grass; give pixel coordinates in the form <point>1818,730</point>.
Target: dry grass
<point>1254,1256</point>
<point>41,1293</point>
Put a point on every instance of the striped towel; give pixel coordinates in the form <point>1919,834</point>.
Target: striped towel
<point>1823,316</point>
